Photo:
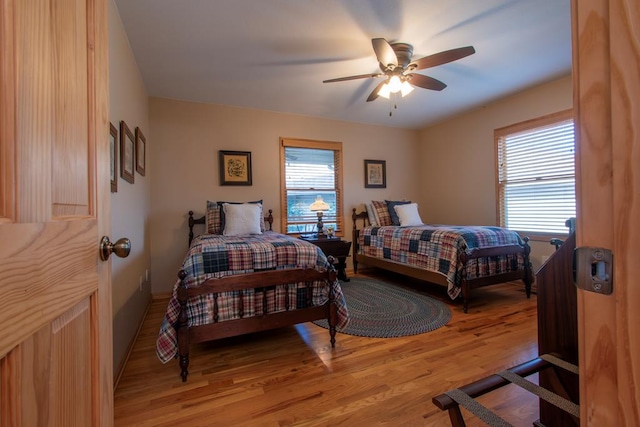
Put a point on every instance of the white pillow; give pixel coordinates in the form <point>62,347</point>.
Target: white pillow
<point>241,219</point>
<point>371,213</point>
<point>408,214</point>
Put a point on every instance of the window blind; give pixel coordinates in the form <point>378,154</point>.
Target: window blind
<point>536,178</point>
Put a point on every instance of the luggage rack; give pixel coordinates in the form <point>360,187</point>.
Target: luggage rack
<point>465,395</point>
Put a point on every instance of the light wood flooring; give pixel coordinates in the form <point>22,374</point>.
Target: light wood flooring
<point>291,376</point>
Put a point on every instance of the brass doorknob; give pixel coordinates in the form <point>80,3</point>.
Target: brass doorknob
<point>121,248</point>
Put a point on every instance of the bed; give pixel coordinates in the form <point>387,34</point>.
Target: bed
<point>461,258</point>
<point>236,284</point>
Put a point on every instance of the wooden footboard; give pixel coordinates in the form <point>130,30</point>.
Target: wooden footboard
<point>259,322</point>
<point>466,284</point>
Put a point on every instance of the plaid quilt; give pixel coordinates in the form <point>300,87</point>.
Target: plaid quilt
<point>436,248</point>
<point>215,256</point>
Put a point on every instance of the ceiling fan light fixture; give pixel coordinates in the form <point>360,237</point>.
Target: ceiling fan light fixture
<point>384,91</point>
<point>394,84</point>
<point>406,88</point>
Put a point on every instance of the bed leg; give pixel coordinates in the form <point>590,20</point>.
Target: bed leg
<point>465,297</point>
<point>183,326</point>
<point>184,365</point>
<point>333,309</point>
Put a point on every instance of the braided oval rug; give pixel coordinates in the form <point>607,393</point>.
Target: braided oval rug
<point>383,310</point>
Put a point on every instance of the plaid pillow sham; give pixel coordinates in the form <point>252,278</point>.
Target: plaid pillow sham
<point>381,213</point>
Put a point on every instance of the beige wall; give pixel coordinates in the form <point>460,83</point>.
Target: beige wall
<point>130,205</point>
<point>458,172</point>
<point>186,138</point>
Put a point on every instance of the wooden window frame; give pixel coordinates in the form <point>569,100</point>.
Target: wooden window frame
<point>313,144</point>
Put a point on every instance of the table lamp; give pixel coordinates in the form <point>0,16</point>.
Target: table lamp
<point>319,206</point>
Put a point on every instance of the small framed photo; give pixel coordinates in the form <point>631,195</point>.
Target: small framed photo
<point>235,167</point>
<point>113,157</point>
<point>375,174</point>
<point>141,144</point>
<point>127,153</point>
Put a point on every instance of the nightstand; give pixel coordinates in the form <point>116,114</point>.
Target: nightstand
<point>335,247</point>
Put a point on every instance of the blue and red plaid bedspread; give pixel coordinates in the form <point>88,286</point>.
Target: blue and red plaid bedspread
<point>436,248</point>
<point>215,256</point>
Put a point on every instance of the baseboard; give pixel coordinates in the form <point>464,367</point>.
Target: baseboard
<point>161,295</point>
<point>125,359</point>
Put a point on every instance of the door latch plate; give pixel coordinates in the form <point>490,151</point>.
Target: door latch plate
<point>594,269</point>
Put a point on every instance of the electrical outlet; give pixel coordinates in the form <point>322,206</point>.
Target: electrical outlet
<point>140,286</point>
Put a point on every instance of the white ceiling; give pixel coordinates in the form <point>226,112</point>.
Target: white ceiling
<point>274,54</point>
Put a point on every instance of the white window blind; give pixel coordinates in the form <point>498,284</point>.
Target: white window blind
<point>536,178</point>
<point>309,170</point>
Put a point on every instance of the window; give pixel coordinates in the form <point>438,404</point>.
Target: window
<point>310,169</point>
<point>536,174</point>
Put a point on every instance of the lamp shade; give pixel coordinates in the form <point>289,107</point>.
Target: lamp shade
<point>406,88</point>
<point>384,91</point>
<point>319,205</point>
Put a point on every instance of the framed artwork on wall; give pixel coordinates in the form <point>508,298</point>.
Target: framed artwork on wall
<point>375,174</point>
<point>235,167</point>
<point>113,157</point>
<point>127,153</point>
<point>141,146</point>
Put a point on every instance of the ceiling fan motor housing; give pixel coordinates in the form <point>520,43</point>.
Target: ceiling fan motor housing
<point>404,52</point>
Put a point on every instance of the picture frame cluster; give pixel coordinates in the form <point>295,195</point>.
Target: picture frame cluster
<point>127,152</point>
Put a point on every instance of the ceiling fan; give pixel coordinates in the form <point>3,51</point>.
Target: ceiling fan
<point>398,68</point>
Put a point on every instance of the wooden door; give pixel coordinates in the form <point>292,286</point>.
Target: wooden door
<point>607,103</point>
<point>55,294</point>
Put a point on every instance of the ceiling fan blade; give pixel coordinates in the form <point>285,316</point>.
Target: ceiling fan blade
<point>361,76</point>
<point>441,58</point>
<point>425,82</point>
<point>374,95</point>
<point>385,53</point>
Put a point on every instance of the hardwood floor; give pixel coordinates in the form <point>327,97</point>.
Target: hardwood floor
<point>291,376</point>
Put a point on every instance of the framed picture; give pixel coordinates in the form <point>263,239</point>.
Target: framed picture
<point>113,157</point>
<point>127,153</point>
<point>235,167</point>
<point>141,144</point>
<point>375,174</point>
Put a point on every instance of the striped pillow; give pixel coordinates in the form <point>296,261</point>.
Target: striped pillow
<point>373,221</point>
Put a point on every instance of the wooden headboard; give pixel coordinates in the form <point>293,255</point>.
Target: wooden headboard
<point>268,221</point>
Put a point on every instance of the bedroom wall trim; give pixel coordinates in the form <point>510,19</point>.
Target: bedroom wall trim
<point>161,295</point>
<point>120,369</point>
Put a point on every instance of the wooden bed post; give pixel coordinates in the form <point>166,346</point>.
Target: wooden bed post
<point>333,311</point>
<point>464,285</point>
<point>355,234</point>
<point>191,224</point>
<point>183,325</point>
